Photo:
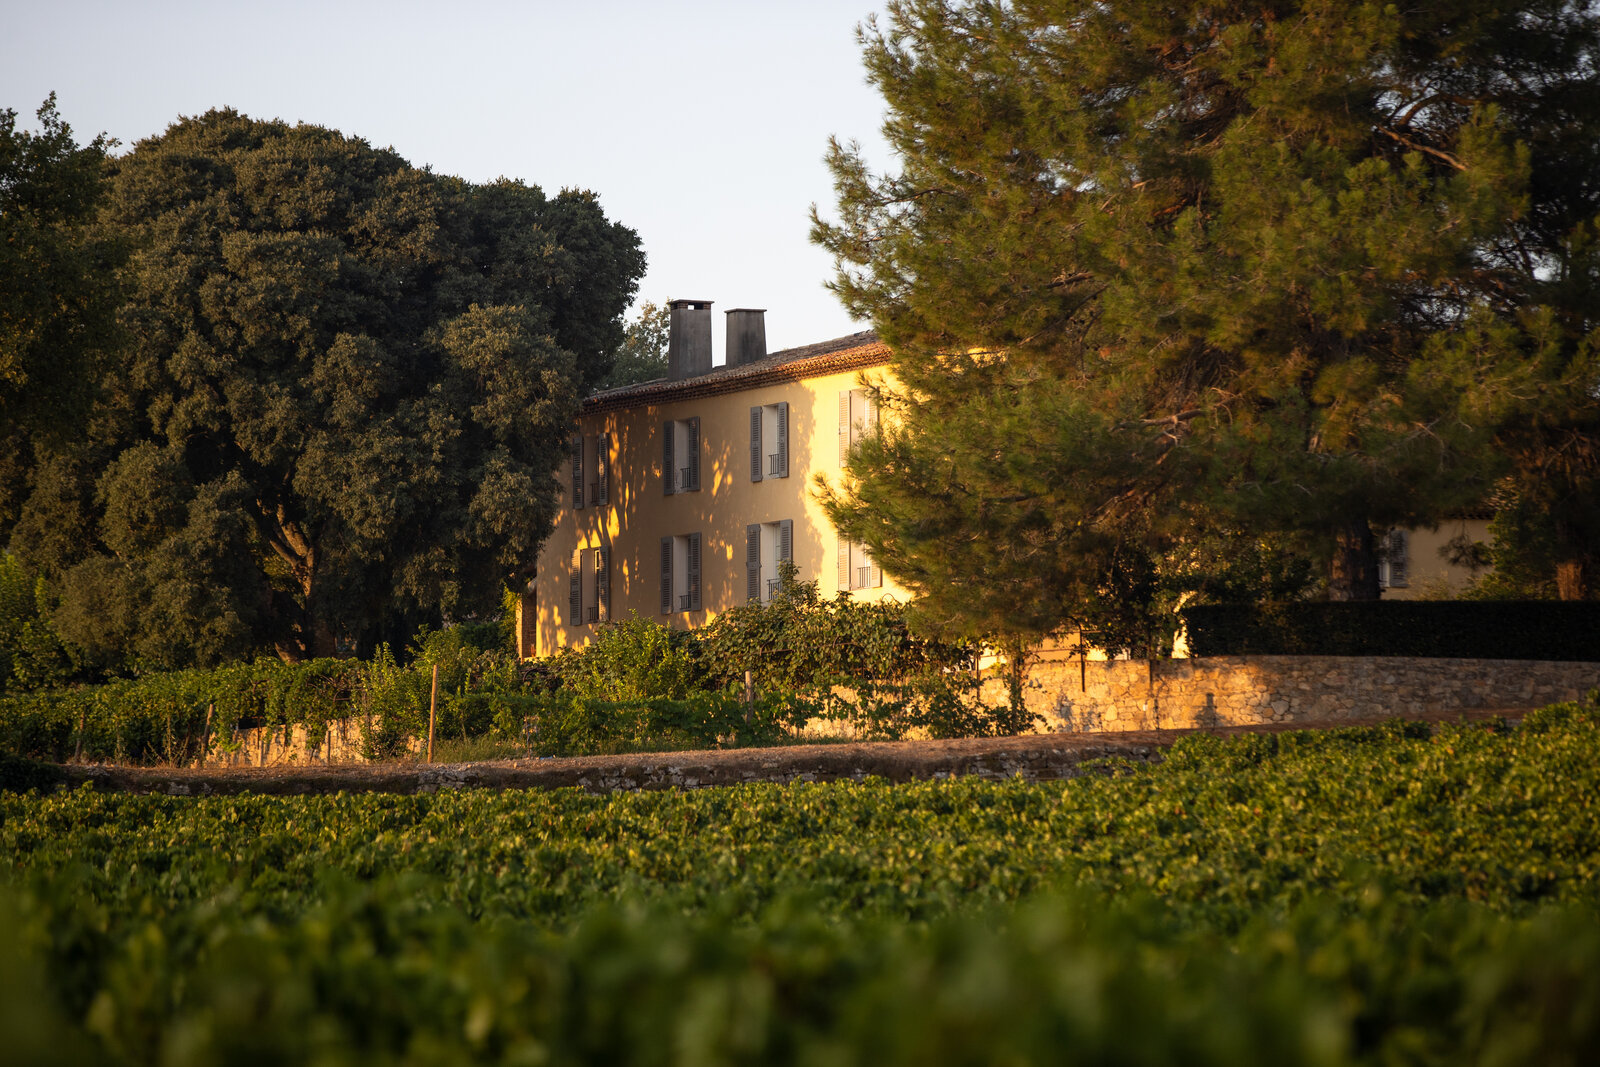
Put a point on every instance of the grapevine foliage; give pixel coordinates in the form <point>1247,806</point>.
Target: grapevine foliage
<point>1365,895</point>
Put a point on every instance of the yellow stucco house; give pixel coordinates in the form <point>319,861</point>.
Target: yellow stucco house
<point>686,492</point>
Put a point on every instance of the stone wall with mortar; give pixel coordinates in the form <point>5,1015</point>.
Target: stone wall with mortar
<point>1246,690</point>
<point>283,746</point>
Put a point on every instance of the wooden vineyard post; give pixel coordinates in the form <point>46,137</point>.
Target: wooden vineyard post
<point>205,738</point>
<point>749,696</point>
<point>433,708</point>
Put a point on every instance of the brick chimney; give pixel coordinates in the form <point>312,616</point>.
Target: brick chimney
<point>688,338</point>
<point>747,335</point>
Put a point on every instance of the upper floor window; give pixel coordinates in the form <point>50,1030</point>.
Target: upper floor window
<point>767,545</point>
<point>858,416</point>
<point>769,441</point>
<point>680,456</point>
<point>857,570</point>
<point>591,470</point>
<point>1392,563</point>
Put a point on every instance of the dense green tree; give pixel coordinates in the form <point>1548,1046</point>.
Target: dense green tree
<point>1154,272</point>
<point>57,297</point>
<point>642,356</point>
<point>346,386</point>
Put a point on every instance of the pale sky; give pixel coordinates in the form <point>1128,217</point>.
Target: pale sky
<point>701,125</point>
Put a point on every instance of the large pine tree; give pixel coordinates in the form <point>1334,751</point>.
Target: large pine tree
<point>1158,273</point>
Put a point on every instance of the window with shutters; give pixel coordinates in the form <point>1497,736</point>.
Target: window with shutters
<point>767,545</point>
<point>1392,563</point>
<point>680,573</point>
<point>591,470</point>
<point>589,587</point>
<point>680,456</point>
<point>857,569</point>
<point>769,441</point>
<point>575,447</point>
<point>858,416</point>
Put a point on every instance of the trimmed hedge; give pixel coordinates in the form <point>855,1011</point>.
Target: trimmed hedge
<point>1430,629</point>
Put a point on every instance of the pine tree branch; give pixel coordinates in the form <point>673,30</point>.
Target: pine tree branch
<point>1425,149</point>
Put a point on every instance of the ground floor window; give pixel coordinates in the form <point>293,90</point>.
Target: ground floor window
<point>767,545</point>
<point>857,569</point>
<point>1392,562</point>
<point>589,586</point>
<point>680,573</point>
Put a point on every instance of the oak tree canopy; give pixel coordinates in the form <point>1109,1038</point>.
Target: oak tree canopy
<point>345,386</point>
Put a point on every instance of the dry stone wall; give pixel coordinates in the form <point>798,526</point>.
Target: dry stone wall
<point>287,746</point>
<point>1248,690</point>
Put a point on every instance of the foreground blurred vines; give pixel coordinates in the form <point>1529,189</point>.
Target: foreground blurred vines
<point>1379,895</point>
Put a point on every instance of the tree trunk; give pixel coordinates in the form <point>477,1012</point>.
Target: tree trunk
<point>1572,578</point>
<point>1572,560</point>
<point>1353,574</point>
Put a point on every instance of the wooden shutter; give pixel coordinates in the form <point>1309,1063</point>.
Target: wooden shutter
<point>577,471</point>
<point>844,565</point>
<point>666,576</point>
<point>1397,558</point>
<point>602,581</point>
<point>786,540</point>
<point>602,468</point>
<point>844,428</point>
<point>752,562</point>
<point>783,440</point>
<point>694,572</point>
<point>874,573</point>
<point>756,458</point>
<point>575,591</point>
<point>669,473</point>
<point>869,418</point>
<point>693,445</point>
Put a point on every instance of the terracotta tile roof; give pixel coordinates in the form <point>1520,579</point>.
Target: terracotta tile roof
<point>852,352</point>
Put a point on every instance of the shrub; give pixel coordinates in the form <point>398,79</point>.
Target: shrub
<point>632,659</point>
<point>844,660</point>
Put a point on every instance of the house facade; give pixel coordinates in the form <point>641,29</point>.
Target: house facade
<point>686,493</point>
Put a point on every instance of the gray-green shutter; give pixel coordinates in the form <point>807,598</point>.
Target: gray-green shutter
<point>755,445</point>
<point>666,576</point>
<point>786,540</point>
<point>694,572</point>
<point>577,471</point>
<point>602,581</point>
<point>694,453</point>
<point>752,562</point>
<point>575,591</point>
<point>783,439</point>
<point>669,473</point>
<point>844,428</point>
<point>602,465</point>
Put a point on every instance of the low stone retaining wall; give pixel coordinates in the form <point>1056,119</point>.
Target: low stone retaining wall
<point>1248,690</point>
<point>1119,695</point>
<point>287,746</point>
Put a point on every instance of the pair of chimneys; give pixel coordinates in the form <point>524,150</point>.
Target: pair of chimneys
<point>689,337</point>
